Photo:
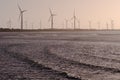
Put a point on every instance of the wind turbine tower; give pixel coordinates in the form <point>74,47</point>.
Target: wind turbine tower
<point>74,20</point>
<point>112,24</point>
<point>79,24</point>
<point>21,16</point>
<point>99,25</point>
<point>89,24</point>
<point>32,25</point>
<point>40,24</point>
<point>26,24</point>
<point>52,18</point>
<point>66,23</point>
<point>9,23</point>
<point>107,25</point>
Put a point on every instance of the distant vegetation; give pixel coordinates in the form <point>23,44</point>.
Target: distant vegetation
<point>29,30</point>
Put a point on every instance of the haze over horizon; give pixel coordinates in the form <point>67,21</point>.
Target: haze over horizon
<point>38,10</point>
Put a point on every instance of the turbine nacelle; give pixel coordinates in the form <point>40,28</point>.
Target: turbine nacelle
<point>74,18</point>
<point>21,15</point>
<point>53,14</point>
<point>23,11</point>
<point>51,18</point>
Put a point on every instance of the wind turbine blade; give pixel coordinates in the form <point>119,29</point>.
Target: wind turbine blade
<point>74,12</point>
<point>72,18</point>
<point>50,11</point>
<point>19,16</point>
<point>49,19</point>
<point>54,15</point>
<point>19,8</point>
<point>77,19</point>
<point>24,10</point>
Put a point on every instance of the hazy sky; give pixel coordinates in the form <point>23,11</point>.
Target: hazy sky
<point>94,10</point>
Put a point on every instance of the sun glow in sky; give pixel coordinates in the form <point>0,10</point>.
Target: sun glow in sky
<point>38,10</point>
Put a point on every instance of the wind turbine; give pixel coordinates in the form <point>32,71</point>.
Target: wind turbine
<point>99,25</point>
<point>51,18</point>
<point>90,23</point>
<point>26,24</point>
<point>107,25</point>
<point>112,24</point>
<point>66,23</point>
<point>9,23</point>
<point>21,16</point>
<point>79,24</point>
<point>74,20</point>
<point>32,25</point>
<point>40,24</point>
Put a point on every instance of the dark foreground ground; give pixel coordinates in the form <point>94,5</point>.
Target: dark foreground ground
<point>60,55</point>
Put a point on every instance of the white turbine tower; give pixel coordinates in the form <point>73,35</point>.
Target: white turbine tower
<point>99,25</point>
<point>107,26</point>
<point>112,24</point>
<point>51,18</point>
<point>9,23</point>
<point>79,24</point>
<point>90,24</point>
<point>21,16</point>
<point>74,20</point>
<point>66,23</point>
<point>40,24</point>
